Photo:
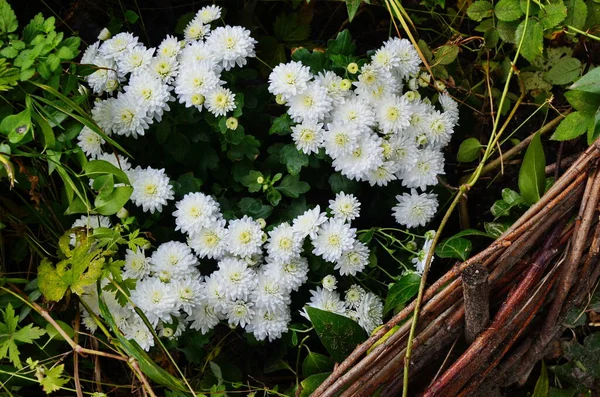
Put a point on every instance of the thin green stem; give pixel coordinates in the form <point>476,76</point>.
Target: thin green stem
<point>581,32</point>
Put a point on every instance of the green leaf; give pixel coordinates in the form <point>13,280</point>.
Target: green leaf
<point>310,384</point>
<point>316,363</point>
<point>288,27</point>
<point>585,102</point>
<point>564,71</point>
<point>16,126</point>
<point>53,379</point>
<point>552,14</point>
<point>111,203</point>
<point>542,385</point>
<point>458,248</point>
<point>131,16</point>
<point>593,128</point>
<point>293,159</point>
<point>254,208</point>
<point>495,229</point>
<point>342,45</point>
<point>315,60</point>
<point>65,53</point>
<point>8,19</point>
<point>576,13</point>
<point>339,334</point>
<point>469,150</point>
<point>291,186</point>
<point>402,291</point>
<point>532,174</point>
<point>274,197</point>
<point>81,267</point>
<point>53,332</point>
<point>281,125</point>
<point>574,125</point>
<point>9,336</point>
<point>506,30</point>
<point>508,10</point>
<point>534,39</point>
<point>590,82</point>
<point>352,6</point>
<point>479,10</point>
<point>96,168</point>
<point>446,54</point>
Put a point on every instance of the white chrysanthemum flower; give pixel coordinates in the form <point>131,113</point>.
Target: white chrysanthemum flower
<point>308,136</point>
<point>188,292</point>
<point>195,211</point>
<point>239,313</point>
<point>415,209</point>
<point>139,332</point>
<point>197,51</point>
<point>340,139</point>
<point>291,274</point>
<point>245,237</point>
<point>155,298</point>
<point>356,112</point>
<point>209,241</point>
<point>103,114</point>
<point>175,258</point>
<point>383,174</point>
<point>204,317</point>
<point>289,79</point>
<point>90,142</point>
<point>421,257</point>
<point>429,164</point>
<point>311,104</point>
<point>270,293</point>
<point>269,324</point>
<point>409,60</point>
<point>194,81</point>
<point>214,292</point>
<point>118,45</point>
<point>403,151</point>
<point>283,244</point>
<point>90,54</point>
<point>88,321</point>
<point>137,265</point>
<point>308,223</point>
<point>231,45</point>
<point>450,107</point>
<point>354,296</point>
<point>170,47</point>
<point>151,93</point>
<point>345,207</point>
<point>393,114</point>
<point>439,129</point>
<point>334,237</point>
<point>164,68</point>
<point>329,282</point>
<point>332,83</point>
<point>375,83</point>
<point>354,260</point>
<point>366,157</point>
<point>325,300</point>
<point>136,60</point>
<point>209,14</point>
<point>116,160</point>
<point>105,78</point>
<point>195,30</point>
<point>237,279</point>
<point>130,117</point>
<point>370,312</point>
<point>385,58</point>
<point>220,100</point>
<point>151,188</point>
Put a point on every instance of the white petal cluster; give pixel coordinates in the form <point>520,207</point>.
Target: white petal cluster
<point>376,128</point>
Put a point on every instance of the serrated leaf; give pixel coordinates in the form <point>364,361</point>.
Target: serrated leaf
<point>469,150</point>
<point>9,336</point>
<point>532,175</point>
<point>506,30</point>
<point>458,248</point>
<point>585,102</point>
<point>402,291</point>
<point>291,186</point>
<point>552,14</point>
<point>590,82</point>
<point>576,13</point>
<point>341,45</point>
<point>479,10</point>
<point>281,125</point>
<point>564,71</point>
<point>534,39</point>
<point>574,125</point>
<point>8,19</point>
<point>508,10</point>
<point>293,159</point>
<point>53,379</point>
<point>339,334</point>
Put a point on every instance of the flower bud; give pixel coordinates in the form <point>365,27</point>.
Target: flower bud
<point>345,84</point>
<point>232,123</point>
<point>260,180</point>
<point>104,35</point>
<point>352,67</point>
<point>123,213</point>
<point>279,99</point>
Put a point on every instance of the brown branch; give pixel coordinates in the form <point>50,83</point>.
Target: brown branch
<point>476,299</point>
<point>76,356</point>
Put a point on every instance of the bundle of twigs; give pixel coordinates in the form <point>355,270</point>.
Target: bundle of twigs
<point>539,269</point>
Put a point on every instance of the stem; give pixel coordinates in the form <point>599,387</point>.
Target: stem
<point>586,34</point>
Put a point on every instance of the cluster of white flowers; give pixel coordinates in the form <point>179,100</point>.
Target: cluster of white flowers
<point>380,131</point>
<point>257,271</point>
<point>144,81</point>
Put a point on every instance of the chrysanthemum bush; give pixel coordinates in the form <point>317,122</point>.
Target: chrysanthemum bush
<point>221,199</point>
